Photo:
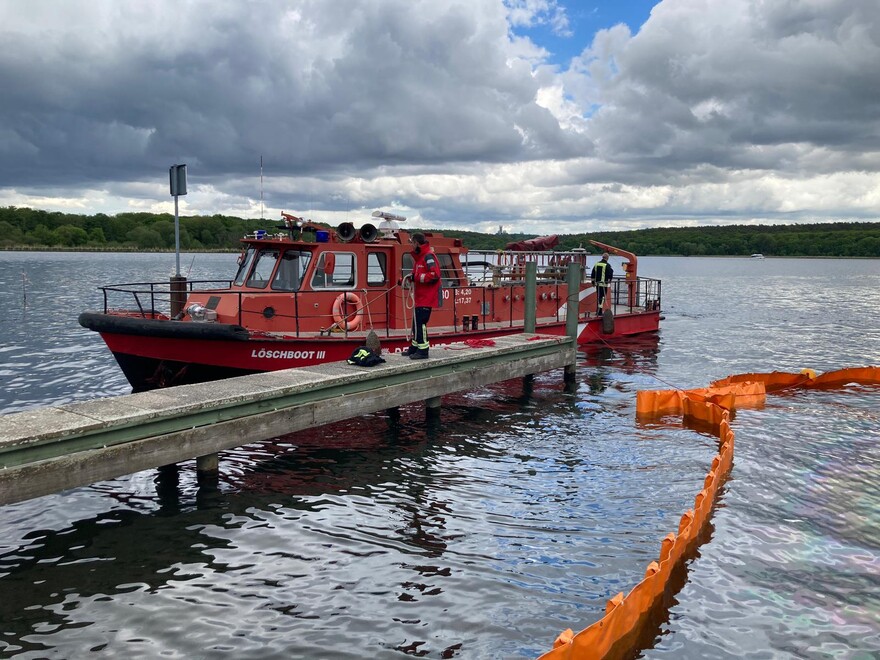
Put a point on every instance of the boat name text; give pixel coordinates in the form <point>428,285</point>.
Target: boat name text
<point>288,355</point>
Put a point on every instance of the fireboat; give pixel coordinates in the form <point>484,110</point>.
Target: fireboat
<point>307,294</point>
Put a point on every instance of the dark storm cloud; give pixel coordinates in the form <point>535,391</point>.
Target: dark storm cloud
<point>311,86</point>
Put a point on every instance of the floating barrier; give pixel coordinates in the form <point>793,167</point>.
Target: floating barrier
<point>616,633</point>
<point>807,378</point>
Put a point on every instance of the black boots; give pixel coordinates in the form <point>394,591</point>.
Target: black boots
<point>418,354</point>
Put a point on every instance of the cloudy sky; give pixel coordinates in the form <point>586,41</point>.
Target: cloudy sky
<point>543,116</point>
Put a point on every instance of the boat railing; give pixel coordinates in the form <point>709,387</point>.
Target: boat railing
<point>485,268</point>
<point>635,294</point>
<point>499,268</point>
<point>157,295</point>
<point>154,300</point>
<point>473,306</point>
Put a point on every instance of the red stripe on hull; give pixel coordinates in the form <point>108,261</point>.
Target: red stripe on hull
<point>271,355</point>
<point>150,362</point>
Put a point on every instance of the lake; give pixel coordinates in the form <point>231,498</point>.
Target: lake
<point>483,534</point>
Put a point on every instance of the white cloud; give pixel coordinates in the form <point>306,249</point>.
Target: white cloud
<point>529,13</point>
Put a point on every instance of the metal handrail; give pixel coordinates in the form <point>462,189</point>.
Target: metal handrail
<point>641,293</point>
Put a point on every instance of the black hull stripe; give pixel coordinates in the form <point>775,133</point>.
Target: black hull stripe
<point>127,325</point>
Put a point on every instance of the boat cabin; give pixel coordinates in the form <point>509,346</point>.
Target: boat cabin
<point>313,279</point>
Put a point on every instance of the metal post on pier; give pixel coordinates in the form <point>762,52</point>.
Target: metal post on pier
<point>531,311</point>
<point>572,309</point>
<point>531,298</point>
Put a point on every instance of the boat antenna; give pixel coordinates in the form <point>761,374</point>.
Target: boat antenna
<point>261,187</point>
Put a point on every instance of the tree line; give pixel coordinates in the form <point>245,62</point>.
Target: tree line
<point>26,228</point>
<point>32,228</point>
<point>838,239</point>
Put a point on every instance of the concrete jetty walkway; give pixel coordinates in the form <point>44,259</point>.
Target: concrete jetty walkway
<point>51,449</point>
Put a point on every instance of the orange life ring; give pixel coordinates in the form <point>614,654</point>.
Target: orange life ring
<point>353,320</point>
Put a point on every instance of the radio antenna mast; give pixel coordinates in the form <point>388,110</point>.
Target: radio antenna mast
<point>261,186</point>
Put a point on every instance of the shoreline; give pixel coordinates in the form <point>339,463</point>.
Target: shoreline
<point>45,248</point>
<point>48,248</point>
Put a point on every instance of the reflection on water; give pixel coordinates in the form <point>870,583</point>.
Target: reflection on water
<point>486,532</point>
<point>792,570</point>
<point>483,535</point>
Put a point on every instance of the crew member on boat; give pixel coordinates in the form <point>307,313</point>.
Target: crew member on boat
<point>426,293</point>
<point>601,276</point>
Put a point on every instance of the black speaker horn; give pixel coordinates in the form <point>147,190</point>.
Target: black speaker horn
<point>369,233</point>
<point>346,232</point>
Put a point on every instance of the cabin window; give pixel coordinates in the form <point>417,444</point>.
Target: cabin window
<point>335,272</point>
<point>244,265</point>
<point>293,264</point>
<point>263,267</point>
<point>447,271</point>
<point>406,265</point>
<point>377,268</point>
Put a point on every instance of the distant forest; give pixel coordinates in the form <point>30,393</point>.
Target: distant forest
<point>31,229</point>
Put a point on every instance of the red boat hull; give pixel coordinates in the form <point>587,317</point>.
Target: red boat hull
<point>151,362</point>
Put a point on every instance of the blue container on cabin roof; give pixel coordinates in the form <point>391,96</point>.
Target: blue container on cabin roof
<point>260,233</point>
<point>322,236</point>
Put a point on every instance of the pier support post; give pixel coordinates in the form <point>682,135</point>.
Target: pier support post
<point>393,415</point>
<point>570,376</point>
<point>168,487</point>
<point>208,465</point>
<point>207,476</point>
<point>432,406</point>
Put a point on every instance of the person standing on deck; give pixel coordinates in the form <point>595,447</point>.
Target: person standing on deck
<point>601,276</point>
<point>426,293</point>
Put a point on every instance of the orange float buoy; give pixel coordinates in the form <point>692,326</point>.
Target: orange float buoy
<point>351,321</point>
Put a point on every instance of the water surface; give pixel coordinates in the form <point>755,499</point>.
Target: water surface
<point>482,535</point>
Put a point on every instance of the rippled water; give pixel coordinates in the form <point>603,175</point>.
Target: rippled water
<point>482,535</point>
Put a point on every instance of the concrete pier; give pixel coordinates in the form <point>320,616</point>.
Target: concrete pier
<point>52,449</point>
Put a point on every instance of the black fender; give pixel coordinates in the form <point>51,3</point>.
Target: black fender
<point>130,325</point>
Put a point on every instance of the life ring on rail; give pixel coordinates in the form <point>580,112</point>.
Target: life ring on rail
<point>353,320</point>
